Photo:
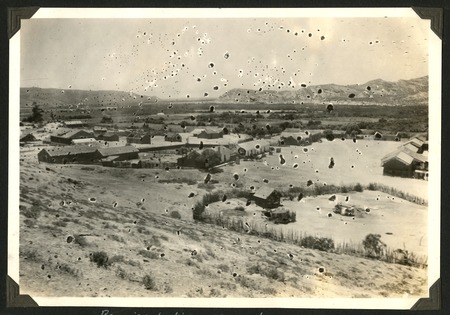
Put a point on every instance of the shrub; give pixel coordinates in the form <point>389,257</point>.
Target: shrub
<point>59,223</point>
<point>358,187</point>
<point>69,270</point>
<point>209,186</point>
<point>175,214</point>
<point>373,245</point>
<point>148,254</point>
<point>31,213</point>
<point>100,258</point>
<point>80,240</point>
<point>320,243</point>
<point>149,282</point>
<point>30,254</point>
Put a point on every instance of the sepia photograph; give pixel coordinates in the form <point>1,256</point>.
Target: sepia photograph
<point>283,157</point>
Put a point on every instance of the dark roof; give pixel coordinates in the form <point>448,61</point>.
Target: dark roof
<point>109,134</point>
<point>117,150</point>
<point>70,134</point>
<point>213,130</point>
<point>70,150</point>
<point>264,192</point>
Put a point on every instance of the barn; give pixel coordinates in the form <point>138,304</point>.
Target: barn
<point>68,154</point>
<point>139,138</point>
<point>252,148</point>
<point>267,197</point>
<point>118,153</point>
<point>66,138</point>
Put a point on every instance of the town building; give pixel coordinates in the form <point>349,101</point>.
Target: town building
<point>66,138</point>
<point>252,148</point>
<point>267,197</point>
<point>69,154</point>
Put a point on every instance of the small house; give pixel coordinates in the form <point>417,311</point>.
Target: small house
<point>108,136</point>
<point>139,138</point>
<point>66,138</point>
<point>68,154</point>
<point>377,135</point>
<point>28,138</point>
<point>267,197</point>
<point>211,133</point>
<point>252,148</point>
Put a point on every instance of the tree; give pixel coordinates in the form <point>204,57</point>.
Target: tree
<point>208,158</point>
<point>36,115</point>
<point>107,119</point>
<point>373,245</point>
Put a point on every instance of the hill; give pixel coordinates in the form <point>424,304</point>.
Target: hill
<point>88,231</point>
<point>58,97</point>
<point>375,92</point>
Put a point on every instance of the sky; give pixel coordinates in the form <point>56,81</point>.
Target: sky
<point>176,58</point>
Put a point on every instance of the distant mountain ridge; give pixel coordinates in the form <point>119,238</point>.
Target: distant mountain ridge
<point>375,92</point>
<point>55,97</point>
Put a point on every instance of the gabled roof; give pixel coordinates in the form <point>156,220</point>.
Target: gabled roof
<point>213,130</point>
<point>22,136</point>
<point>85,140</point>
<point>411,147</point>
<point>110,158</point>
<point>69,150</point>
<point>109,134</point>
<point>264,192</point>
<point>405,156</point>
<point>292,130</point>
<point>73,122</point>
<point>197,131</point>
<point>251,145</point>
<point>117,150</point>
<point>415,141</point>
<point>70,134</point>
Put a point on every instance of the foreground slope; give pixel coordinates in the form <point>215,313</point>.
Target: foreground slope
<point>68,213</point>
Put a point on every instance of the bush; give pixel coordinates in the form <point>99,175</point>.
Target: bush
<point>175,214</point>
<point>80,240</point>
<point>320,243</point>
<point>358,187</point>
<point>149,282</point>
<point>148,254</point>
<point>31,213</point>
<point>373,245</point>
<point>100,258</point>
